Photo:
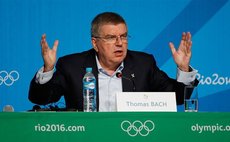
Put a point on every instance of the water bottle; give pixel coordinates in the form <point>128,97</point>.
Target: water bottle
<point>89,92</point>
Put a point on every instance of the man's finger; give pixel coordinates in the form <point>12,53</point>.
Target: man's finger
<point>188,36</point>
<point>183,36</point>
<point>188,48</point>
<point>56,42</point>
<point>43,39</point>
<point>172,47</point>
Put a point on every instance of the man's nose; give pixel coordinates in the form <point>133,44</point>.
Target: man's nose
<point>118,40</point>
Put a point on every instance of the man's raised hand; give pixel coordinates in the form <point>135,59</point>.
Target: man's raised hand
<point>48,54</point>
<point>183,54</point>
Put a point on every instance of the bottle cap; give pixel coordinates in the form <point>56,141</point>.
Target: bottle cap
<point>88,69</point>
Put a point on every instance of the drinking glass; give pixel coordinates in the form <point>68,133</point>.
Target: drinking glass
<point>191,99</point>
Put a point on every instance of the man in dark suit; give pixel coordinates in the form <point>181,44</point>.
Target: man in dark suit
<point>109,57</point>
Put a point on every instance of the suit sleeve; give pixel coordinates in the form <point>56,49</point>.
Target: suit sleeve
<point>49,92</point>
<point>162,83</point>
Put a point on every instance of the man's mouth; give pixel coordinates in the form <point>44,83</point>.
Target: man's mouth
<point>118,53</point>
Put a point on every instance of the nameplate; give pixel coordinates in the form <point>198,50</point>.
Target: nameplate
<point>146,101</point>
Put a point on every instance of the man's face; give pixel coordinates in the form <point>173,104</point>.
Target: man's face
<point>111,44</point>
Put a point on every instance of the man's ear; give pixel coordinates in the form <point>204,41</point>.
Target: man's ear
<point>94,43</point>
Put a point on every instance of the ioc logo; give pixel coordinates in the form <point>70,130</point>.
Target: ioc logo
<point>137,127</point>
<point>8,78</point>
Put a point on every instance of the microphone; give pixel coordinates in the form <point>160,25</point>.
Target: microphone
<point>119,75</point>
<point>36,108</point>
<point>8,108</point>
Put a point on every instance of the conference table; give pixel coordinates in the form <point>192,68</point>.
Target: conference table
<point>114,126</point>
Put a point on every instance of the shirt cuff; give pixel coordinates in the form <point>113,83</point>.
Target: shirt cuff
<point>186,77</point>
<point>43,77</point>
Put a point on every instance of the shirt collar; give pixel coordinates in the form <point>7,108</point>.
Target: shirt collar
<point>101,70</point>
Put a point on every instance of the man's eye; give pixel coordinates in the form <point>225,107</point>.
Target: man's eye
<point>124,36</point>
<point>111,37</point>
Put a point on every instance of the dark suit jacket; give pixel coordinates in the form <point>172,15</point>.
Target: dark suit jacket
<point>70,69</point>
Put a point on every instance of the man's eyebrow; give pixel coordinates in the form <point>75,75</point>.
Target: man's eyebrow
<point>116,35</point>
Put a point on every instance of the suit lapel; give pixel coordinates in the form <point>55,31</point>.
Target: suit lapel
<point>127,72</point>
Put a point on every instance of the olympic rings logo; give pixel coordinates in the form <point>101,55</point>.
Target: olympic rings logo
<point>8,78</point>
<point>137,127</point>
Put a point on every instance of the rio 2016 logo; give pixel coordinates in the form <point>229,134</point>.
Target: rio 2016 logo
<point>8,78</point>
<point>215,79</point>
<point>137,127</point>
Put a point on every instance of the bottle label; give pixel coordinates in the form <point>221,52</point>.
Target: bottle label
<point>91,85</point>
